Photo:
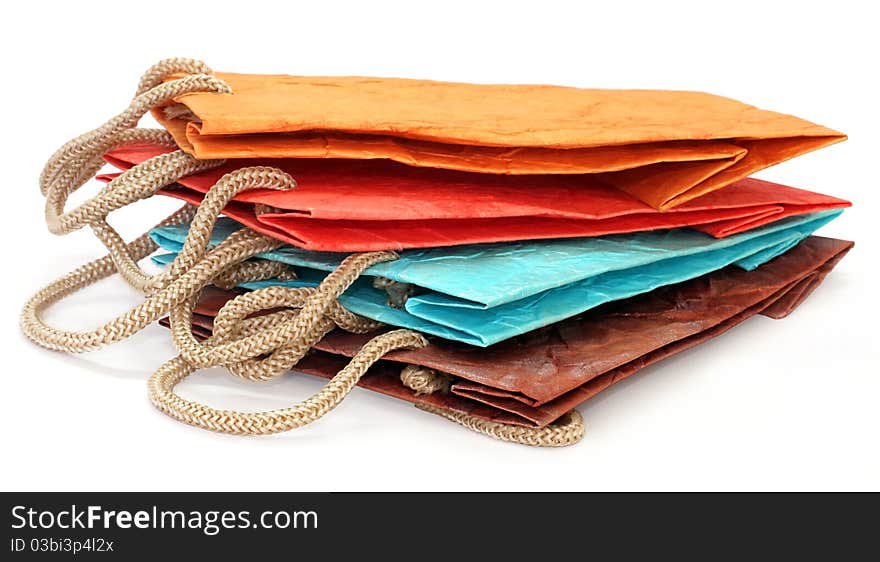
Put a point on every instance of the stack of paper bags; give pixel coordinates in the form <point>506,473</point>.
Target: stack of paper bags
<point>551,240</point>
<point>496,254</point>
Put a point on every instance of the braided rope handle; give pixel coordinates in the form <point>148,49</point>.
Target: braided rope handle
<point>162,383</point>
<point>77,161</point>
<point>258,348</point>
<point>567,430</point>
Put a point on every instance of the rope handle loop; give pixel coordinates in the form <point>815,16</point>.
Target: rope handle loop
<point>168,289</point>
<point>77,161</point>
<point>287,342</point>
<point>567,430</point>
<point>72,158</point>
<point>161,389</point>
<point>74,163</point>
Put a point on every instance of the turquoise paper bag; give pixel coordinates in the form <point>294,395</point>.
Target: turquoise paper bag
<point>485,293</point>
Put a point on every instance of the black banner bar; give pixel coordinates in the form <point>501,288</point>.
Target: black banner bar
<point>112,526</point>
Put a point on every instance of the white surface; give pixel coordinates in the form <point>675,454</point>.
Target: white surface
<point>771,405</point>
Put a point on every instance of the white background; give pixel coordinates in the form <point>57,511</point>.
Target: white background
<point>772,405</point>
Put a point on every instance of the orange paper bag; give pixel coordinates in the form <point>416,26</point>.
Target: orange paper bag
<point>664,147</point>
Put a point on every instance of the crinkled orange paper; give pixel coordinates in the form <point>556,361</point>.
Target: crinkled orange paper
<point>664,147</point>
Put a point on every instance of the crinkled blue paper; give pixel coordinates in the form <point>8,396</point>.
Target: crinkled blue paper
<point>485,293</point>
